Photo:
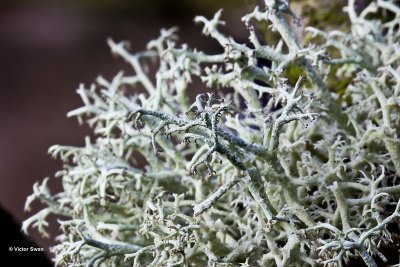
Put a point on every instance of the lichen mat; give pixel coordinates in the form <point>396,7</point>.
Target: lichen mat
<point>308,177</point>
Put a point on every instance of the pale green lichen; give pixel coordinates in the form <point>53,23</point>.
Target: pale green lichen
<point>301,179</point>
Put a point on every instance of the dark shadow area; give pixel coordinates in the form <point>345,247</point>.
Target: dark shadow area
<point>21,251</point>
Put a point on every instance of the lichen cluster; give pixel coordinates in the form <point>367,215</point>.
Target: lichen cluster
<point>267,172</point>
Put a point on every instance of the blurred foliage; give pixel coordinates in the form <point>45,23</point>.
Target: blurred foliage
<point>323,14</point>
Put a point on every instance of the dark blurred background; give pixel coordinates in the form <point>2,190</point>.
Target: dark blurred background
<point>46,49</point>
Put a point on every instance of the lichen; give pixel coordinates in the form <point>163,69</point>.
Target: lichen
<point>276,171</point>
